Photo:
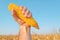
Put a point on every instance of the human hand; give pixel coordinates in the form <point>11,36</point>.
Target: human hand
<point>25,12</point>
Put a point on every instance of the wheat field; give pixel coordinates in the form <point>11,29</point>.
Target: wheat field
<point>34,37</point>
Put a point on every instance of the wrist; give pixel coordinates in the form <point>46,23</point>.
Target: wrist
<point>25,25</point>
<point>25,28</point>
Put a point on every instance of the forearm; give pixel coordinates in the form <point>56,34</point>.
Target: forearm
<point>24,33</point>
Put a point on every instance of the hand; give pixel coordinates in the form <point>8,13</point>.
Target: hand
<point>25,12</point>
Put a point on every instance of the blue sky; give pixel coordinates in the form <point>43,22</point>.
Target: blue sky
<point>45,12</point>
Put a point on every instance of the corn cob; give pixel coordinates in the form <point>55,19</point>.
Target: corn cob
<point>29,21</point>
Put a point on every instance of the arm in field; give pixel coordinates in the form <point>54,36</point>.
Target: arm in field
<point>24,32</point>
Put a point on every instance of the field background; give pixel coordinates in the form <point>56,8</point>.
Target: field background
<point>34,37</point>
<point>45,12</point>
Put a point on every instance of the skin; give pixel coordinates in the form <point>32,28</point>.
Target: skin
<point>24,32</point>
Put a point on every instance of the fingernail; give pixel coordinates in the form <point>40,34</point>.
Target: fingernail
<point>12,11</point>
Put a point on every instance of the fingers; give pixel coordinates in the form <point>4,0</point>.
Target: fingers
<point>28,14</point>
<point>16,17</point>
<point>25,12</point>
<point>23,9</point>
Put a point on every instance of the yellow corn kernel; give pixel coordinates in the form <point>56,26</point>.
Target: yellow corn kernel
<point>29,21</point>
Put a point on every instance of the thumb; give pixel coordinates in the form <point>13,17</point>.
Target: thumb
<point>16,17</point>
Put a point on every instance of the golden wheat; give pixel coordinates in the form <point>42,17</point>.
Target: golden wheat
<point>34,37</point>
